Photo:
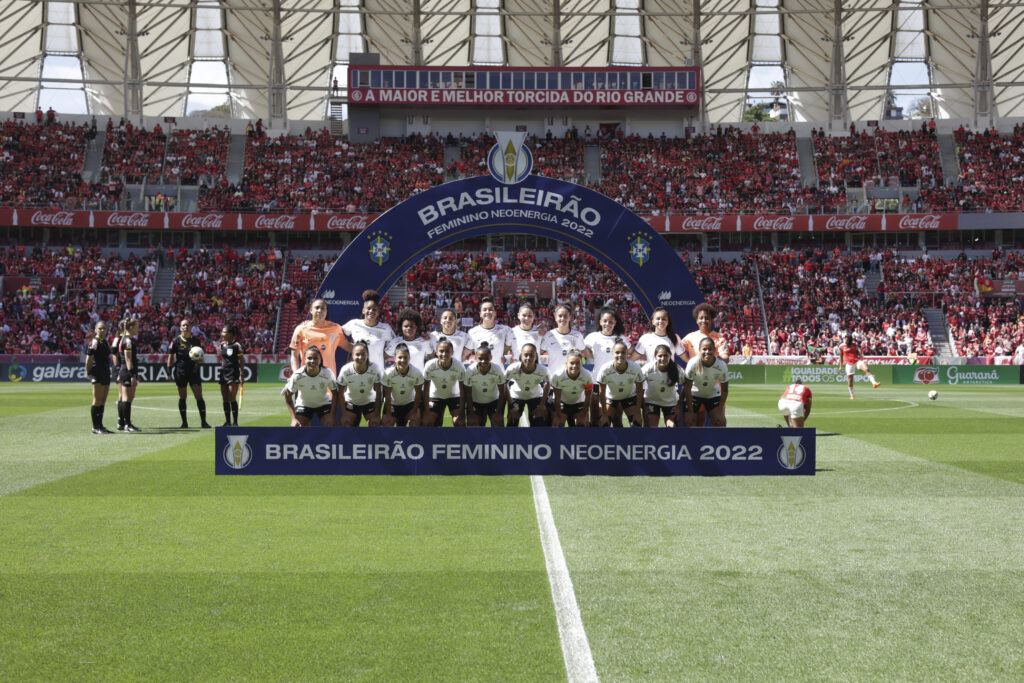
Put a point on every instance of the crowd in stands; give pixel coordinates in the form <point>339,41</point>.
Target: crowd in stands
<point>553,157</point>
<point>991,173</point>
<point>194,155</point>
<point>134,155</point>
<point>862,159</point>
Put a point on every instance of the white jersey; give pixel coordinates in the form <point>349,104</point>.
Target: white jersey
<point>657,390</point>
<point>311,392</point>
<point>601,346</point>
<point>459,340</point>
<point>705,385</point>
<point>571,388</point>
<point>484,387</point>
<point>444,383</point>
<point>498,337</point>
<point>358,386</point>
<point>523,384</point>
<point>419,349</point>
<point>521,336</point>
<point>648,343</point>
<point>558,346</point>
<point>403,387</point>
<point>620,384</point>
<point>376,337</point>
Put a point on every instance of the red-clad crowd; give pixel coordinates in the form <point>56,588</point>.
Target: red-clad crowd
<point>860,158</point>
<point>195,156</point>
<point>553,157</point>
<point>991,173</point>
<point>134,155</point>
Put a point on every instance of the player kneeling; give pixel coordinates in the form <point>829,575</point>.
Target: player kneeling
<point>483,391</point>
<point>795,404</point>
<point>443,376</point>
<point>621,390</point>
<point>403,391</point>
<point>528,389</point>
<point>706,385</point>
<point>311,391</point>
<point>361,380</point>
<point>572,388</point>
<point>661,392</point>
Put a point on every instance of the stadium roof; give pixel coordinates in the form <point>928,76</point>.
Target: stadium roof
<point>275,59</point>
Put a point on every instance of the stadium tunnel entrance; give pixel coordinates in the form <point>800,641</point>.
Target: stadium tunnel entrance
<point>473,207</point>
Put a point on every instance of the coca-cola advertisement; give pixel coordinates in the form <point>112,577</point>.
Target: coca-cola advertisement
<point>774,223</point>
<point>275,221</point>
<point>53,218</point>
<point>851,223</point>
<point>919,221</point>
<point>701,223</point>
<point>202,221</point>
<point>349,222</point>
<point>128,219</point>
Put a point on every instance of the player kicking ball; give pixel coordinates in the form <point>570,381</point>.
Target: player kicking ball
<point>853,357</point>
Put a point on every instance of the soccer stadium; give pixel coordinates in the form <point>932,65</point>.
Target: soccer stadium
<point>672,243</point>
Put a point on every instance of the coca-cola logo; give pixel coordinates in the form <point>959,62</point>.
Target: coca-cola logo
<point>926,376</point>
<point>202,220</point>
<point>774,222</point>
<point>702,223</point>
<point>128,220</point>
<point>63,218</point>
<point>281,222</point>
<point>353,222</point>
<point>926,222</point>
<point>846,223</point>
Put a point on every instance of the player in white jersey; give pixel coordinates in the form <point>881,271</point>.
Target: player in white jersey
<point>528,389</point>
<point>403,391</point>
<point>705,385</point>
<point>662,332</point>
<point>311,390</point>
<point>621,384</point>
<point>599,344</point>
<point>572,389</point>
<point>410,327</point>
<point>557,343</point>
<point>369,329</point>
<point>443,376</point>
<point>484,391</point>
<point>361,380</point>
<point>661,388</point>
<point>498,337</point>
<point>457,337</point>
<point>523,333</point>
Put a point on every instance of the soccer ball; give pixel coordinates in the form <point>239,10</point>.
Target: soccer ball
<point>196,353</point>
<point>933,394</point>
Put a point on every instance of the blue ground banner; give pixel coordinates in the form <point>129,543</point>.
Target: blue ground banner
<point>501,451</point>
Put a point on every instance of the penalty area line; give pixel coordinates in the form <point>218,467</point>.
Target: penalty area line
<point>579,662</point>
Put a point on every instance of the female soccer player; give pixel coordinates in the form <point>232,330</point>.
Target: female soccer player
<point>455,336</point>
<point>311,390</point>
<point>572,388</point>
<point>528,389</point>
<point>853,357</point>
<point>410,325</point>
<point>662,332</point>
<point>498,337</point>
<point>557,343</point>
<point>97,369</point>
<point>661,388</point>
<point>361,380</point>
<point>403,391</point>
<point>186,372</point>
<point>621,383</point>
<point>599,344</point>
<point>523,333</point>
<point>483,390</point>
<point>710,375</point>
<point>443,376</point>
<point>128,378</point>
<point>795,404</point>
<point>318,333</point>
<point>705,315</point>
<point>369,329</point>
<point>231,362</point>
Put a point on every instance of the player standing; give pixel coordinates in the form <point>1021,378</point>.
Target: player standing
<point>368,329</point>
<point>662,332</point>
<point>498,338</point>
<point>705,385</point>
<point>410,326</point>
<point>705,315</point>
<point>319,333</point>
<point>97,369</point>
<point>523,333</point>
<point>599,343</point>
<point>795,404</point>
<point>231,377</point>
<point>557,343</point>
<point>186,372</point>
<point>853,358</point>
<point>449,331</point>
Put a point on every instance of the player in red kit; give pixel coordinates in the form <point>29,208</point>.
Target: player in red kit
<point>852,356</point>
<point>795,404</point>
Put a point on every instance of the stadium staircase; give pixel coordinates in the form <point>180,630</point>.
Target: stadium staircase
<point>939,332</point>
<point>763,321</point>
<point>871,280</point>
<point>805,153</point>
<point>452,154</point>
<point>947,153</point>
<point>592,163</point>
<point>94,158</point>
<point>236,159</point>
<point>163,282</point>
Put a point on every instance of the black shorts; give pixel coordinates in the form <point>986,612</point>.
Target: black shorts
<point>437,405</point>
<point>102,377</point>
<point>664,411</point>
<point>183,379</point>
<point>319,411</point>
<point>622,402</point>
<point>484,409</point>
<point>363,410</point>
<point>229,376</point>
<point>125,377</point>
<point>571,409</point>
<point>401,413</point>
<point>524,404</point>
<point>708,403</point>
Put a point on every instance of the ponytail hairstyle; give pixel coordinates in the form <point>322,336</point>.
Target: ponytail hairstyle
<point>669,329</point>
<point>672,370</point>
<point>371,295</point>
<point>620,327</point>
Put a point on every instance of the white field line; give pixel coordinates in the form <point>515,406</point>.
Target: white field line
<point>579,662</point>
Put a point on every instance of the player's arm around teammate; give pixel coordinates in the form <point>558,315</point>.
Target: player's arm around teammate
<point>362,382</point>
<point>306,392</point>
<point>484,391</point>
<point>403,391</point>
<point>622,388</point>
<point>443,375</point>
<point>528,389</point>
<point>571,389</point>
<point>661,398</point>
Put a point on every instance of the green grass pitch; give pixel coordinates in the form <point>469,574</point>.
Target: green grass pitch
<point>124,557</point>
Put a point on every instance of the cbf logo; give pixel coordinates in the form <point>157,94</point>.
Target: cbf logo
<point>791,454</point>
<point>237,453</point>
<point>639,248</point>
<point>380,247</point>
<point>510,161</point>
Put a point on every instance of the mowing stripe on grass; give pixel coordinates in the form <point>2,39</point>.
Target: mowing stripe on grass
<point>579,662</point>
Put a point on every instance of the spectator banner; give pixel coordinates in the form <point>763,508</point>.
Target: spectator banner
<point>957,375</point>
<point>510,200</point>
<point>823,374</point>
<point>151,220</point>
<point>508,450</point>
<point>919,221</point>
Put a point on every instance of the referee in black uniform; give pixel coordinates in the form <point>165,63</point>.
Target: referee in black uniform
<point>97,369</point>
<point>230,372</point>
<point>186,372</point>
